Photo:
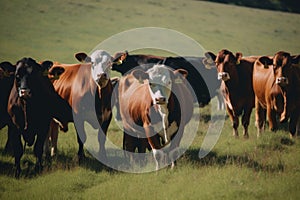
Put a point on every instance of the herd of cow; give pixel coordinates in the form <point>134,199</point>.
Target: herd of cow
<point>154,98</point>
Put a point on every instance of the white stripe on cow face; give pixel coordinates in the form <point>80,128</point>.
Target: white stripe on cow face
<point>160,84</point>
<point>101,63</point>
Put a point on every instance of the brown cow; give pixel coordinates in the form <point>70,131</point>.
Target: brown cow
<point>80,84</point>
<point>276,85</point>
<point>158,95</point>
<point>235,72</point>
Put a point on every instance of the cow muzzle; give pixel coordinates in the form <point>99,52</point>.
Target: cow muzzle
<point>223,76</point>
<point>24,93</point>
<point>282,81</point>
<point>160,100</point>
<point>102,79</point>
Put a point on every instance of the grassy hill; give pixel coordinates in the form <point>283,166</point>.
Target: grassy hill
<point>265,168</point>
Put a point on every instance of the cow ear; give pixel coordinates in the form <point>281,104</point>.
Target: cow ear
<point>6,69</point>
<point>265,61</point>
<point>7,66</point>
<point>46,65</point>
<point>296,60</point>
<point>83,57</point>
<point>180,75</point>
<point>140,75</point>
<point>120,58</point>
<point>238,57</point>
<point>209,60</point>
<point>55,72</point>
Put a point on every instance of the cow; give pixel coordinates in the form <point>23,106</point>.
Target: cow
<point>78,85</point>
<point>276,86</point>
<point>156,96</point>
<point>7,71</point>
<point>32,104</point>
<point>202,80</point>
<point>235,71</point>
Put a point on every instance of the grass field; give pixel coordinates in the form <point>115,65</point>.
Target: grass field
<point>264,168</point>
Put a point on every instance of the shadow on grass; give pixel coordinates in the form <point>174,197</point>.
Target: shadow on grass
<point>62,161</point>
<point>213,159</point>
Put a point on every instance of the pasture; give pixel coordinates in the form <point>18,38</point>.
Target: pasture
<point>264,168</point>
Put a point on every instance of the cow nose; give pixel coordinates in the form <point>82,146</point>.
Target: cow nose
<point>223,76</point>
<point>160,100</point>
<point>102,76</point>
<point>282,81</point>
<point>24,93</point>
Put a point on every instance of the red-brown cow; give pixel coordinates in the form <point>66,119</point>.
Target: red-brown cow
<point>235,72</point>
<point>158,95</point>
<point>80,84</point>
<point>276,85</point>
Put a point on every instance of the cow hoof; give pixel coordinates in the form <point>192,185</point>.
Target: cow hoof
<point>17,173</point>
<point>246,136</point>
<point>292,136</point>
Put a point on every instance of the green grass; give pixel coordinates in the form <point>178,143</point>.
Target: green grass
<point>264,168</point>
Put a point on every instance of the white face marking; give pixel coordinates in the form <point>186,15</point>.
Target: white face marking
<point>101,62</point>
<point>160,84</point>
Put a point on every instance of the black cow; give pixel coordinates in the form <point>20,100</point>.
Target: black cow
<point>202,80</point>
<point>32,103</point>
<point>7,71</point>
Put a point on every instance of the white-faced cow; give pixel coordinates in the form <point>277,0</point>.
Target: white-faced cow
<point>158,95</point>
<point>79,85</point>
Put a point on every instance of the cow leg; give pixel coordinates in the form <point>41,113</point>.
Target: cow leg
<point>129,145</point>
<point>294,118</point>
<point>9,146</point>
<point>50,146</point>
<point>80,140</point>
<point>235,121</point>
<point>159,155</point>
<point>298,127</point>
<point>271,115</point>
<point>220,101</point>
<point>260,117</point>
<point>246,121</point>
<point>54,137</point>
<point>102,138</point>
<point>17,148</point>
<point>38,147</point>
<point>142,144</point>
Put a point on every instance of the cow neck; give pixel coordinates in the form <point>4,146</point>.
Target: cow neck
<point>232,85</point>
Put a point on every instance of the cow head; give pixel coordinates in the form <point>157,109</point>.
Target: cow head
<point>119,58</point>
<point>26,74</point>
<point>226,64</point>
<point>101,63</point>
<point>160,80</point>
<point>282,67</point>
